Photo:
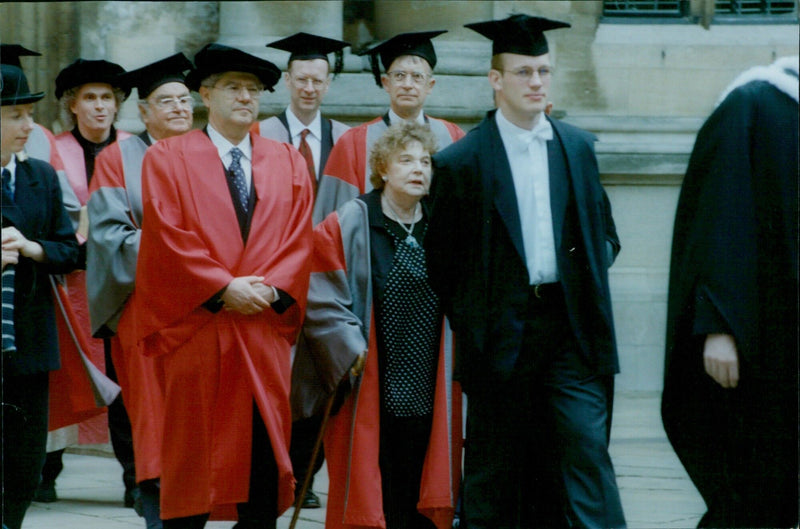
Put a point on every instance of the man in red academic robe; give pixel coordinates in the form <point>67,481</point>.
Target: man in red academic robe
<point>115,219</point>
<point>409,59</point>
<point>221,284</point>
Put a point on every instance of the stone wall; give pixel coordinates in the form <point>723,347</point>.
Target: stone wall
<point>644,87</point>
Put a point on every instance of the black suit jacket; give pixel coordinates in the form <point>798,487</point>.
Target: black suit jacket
<point>476,257</point>
<point>327,140</point>
<point>37,211</point>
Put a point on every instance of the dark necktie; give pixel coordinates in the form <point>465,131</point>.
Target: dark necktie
<point>236,175</point>
<point>305,150</point>
<point>7,183</point>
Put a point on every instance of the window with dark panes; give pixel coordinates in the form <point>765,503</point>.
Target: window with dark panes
<point>645,8</point>
<point>755,7</point>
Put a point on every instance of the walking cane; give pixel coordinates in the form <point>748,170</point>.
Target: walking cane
<point>298,503</point>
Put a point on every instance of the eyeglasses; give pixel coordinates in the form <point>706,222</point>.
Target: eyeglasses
<point>399,76</point>
<point>167,102</point>
<point>302,82</point>
<point>525,74</point>
<point>233,90</point>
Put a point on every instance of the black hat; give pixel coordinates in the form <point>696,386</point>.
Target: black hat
<point>418,43</point>
<point>15,89</point>
<point>147,78</point>
<point>83,71</point>
<point>520,34</point>
<point>304,46</point>
<point>10,54</point>
<point>218,58</point>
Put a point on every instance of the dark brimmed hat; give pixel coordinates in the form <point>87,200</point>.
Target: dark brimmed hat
<point>520,34</point>
<point>83,71</point>
<point>147,78</point>
<point>417,43</point>
<point>305,46</point>
<point>10,54</point>
<point>15,89</point>
<point>218,58</point>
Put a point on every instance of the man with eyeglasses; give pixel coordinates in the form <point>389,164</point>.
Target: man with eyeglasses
<point>221,281</point>
<point>519,245</point>
<point>302,125</point>
<point>408,60</point>
<point>115,220</point>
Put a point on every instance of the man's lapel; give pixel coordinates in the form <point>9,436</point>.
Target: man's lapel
<point>505,196</point>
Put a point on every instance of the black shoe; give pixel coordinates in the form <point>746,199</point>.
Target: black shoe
<point>132,495</point>
<point>45,492</point>
<point>311,500</point>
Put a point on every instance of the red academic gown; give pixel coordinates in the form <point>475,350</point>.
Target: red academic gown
<point>70,379</point>
<point>216,364</point>
<point>115,210</point>
<point>352,437</point>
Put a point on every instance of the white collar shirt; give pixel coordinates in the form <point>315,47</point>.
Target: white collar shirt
<point>224,149</point>
<point>314,138</point>
<point>394,118</point>
<point>527,156</point>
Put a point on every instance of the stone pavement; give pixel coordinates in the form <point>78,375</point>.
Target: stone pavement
<point>656,492</point>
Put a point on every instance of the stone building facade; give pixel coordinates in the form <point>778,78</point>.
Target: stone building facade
<point>642,75</point>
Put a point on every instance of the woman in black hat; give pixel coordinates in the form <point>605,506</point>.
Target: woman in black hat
<point>37,240</point>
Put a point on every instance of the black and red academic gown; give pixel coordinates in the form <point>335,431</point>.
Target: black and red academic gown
<point>734,270</point>
<point>216,364</point>
<point>339,326</point>
<point>71,397</point>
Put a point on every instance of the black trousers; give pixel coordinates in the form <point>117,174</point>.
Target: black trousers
<point>119,426</point>
<point>304,436</point>
<point>403,444</point>
<point>536,452</point>
<point>260,511</point>
<point>24,418</point>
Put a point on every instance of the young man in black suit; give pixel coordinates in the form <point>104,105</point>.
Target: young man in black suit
<point>519,244</point>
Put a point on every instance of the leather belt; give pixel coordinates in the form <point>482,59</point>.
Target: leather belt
<point>544,291</point>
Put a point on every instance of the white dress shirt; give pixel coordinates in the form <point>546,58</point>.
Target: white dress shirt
<point>527,156</point>
<point>395,119</point>
<point>224,148</point>
<point>314,138</point>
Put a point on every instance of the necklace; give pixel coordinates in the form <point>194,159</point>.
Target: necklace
<point>410,239</point>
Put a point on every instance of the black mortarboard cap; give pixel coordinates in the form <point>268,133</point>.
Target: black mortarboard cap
<point>417,43</point>
<point>305,46</point>
<point>520,34</point>
<point>218,58</point>
<point>83,71</point>
<point>10,54</point>
<point>147,78</point>
<point>14,87</point>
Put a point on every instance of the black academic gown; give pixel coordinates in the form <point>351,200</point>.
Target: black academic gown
<point>734,270</point>
<point>476,256</point>
<point>38,213</point>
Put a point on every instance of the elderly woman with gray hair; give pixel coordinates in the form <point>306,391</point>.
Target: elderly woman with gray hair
<point>393,449</point>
